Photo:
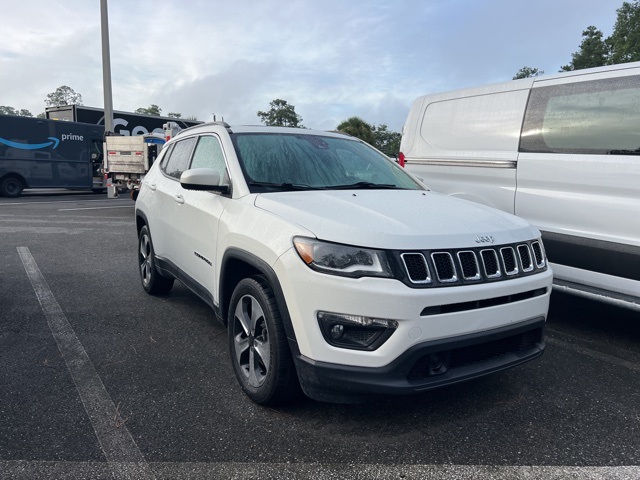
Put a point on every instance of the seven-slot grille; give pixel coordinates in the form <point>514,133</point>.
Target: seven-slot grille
<point>457,267</point>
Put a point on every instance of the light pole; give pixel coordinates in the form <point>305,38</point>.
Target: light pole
<point>106,69</point>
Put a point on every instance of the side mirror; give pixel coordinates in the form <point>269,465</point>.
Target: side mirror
<point>203,179</point>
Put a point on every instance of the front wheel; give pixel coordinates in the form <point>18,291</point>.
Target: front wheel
<point>152,281</point>
<point>11,187</point>
<point>258,344</point>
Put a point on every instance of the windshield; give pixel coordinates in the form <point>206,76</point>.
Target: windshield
<point>282,161</point>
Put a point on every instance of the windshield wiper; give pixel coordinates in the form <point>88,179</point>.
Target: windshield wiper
<point>285,186</point>
<point>624,152</point>
<point>364,185</point>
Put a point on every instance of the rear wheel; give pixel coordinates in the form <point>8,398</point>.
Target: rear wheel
<point>11,187</point>
<point>152,281</point>
<point>258,344</point>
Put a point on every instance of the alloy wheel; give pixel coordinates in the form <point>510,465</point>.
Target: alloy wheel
<point>252,347</point>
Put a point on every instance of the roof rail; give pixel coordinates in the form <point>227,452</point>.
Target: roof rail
<point>223,124</point>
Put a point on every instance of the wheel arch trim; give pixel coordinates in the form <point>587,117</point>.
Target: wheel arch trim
<point>141,220</point>
<point>226,286</point>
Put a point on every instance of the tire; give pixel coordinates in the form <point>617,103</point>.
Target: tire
<point>11,187</point>
<point>258,344</point>
<point>152,281</point>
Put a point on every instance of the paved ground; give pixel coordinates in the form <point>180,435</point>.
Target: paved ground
<point>99,380</point>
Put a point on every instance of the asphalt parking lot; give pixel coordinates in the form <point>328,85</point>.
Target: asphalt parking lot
<point>100,380</point>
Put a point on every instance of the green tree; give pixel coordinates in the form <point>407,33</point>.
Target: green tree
<point>624,42</point>
<point>153,109</point>
<point>5,110</point>
<point>357,127</point>
<point>386,140</point>
<point>63,95</point>
<point>174,115</point>
<point>281,114</point>
<point>593,52</point>
<point>527,72</point>
<point>380,137</point>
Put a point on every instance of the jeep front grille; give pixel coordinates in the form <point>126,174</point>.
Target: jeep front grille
<point>444,267</point>
<point>538,254</point>
<point>417,267</point>
<point>509,259</point>
<point>469,265</point>
<point>432,268</point>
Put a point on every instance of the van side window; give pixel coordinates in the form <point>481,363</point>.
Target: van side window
<point>488,122</point>
<point>593,117</point>
<point>208,154</point>
<point>179,157</point>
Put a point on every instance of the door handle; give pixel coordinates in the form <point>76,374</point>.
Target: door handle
<point>179,199</point>
<point>152,186</point>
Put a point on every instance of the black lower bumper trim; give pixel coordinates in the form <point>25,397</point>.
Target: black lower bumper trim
<point>427,365</point>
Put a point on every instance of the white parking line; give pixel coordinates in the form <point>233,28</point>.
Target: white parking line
<point>319,471</point>
<point>126,461</point>
<point>62,201</point>
<point>118,446</point>
<point>94,208</point>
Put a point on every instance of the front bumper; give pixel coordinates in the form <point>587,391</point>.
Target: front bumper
<point>427,365</point>
<point>422,315</point>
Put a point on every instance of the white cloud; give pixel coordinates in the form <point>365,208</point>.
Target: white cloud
<point>330,59</point>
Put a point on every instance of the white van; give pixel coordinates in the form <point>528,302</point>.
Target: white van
<point>562,151</point>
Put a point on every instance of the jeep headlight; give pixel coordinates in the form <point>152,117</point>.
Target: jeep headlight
<point>345,260</point>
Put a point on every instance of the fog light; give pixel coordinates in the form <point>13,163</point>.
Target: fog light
<point>355,331</point>
<point>337,331</point>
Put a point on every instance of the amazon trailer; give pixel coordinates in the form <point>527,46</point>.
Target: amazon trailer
<point>40,153</point>
<point>128,159</point>
<point>124,123</point>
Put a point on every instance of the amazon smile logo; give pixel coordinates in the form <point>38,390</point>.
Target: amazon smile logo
<point>31,146</point>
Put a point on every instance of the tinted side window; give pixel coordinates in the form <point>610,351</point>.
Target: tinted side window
<point>593,117</point>
<point>179,157</point>
<point>208,154</point>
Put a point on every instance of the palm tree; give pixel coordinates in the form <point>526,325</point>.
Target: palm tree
<point>357,127</point>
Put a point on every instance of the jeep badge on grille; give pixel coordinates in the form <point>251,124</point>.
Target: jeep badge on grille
<point>484,239</point>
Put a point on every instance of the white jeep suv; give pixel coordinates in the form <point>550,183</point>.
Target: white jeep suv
<point>334,269</point>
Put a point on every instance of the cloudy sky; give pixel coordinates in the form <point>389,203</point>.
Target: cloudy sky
<point>332,59</point>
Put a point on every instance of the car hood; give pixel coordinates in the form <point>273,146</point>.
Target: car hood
<point>398,219</point>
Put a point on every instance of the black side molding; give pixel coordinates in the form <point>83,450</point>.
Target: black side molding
<point>617,259</point>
